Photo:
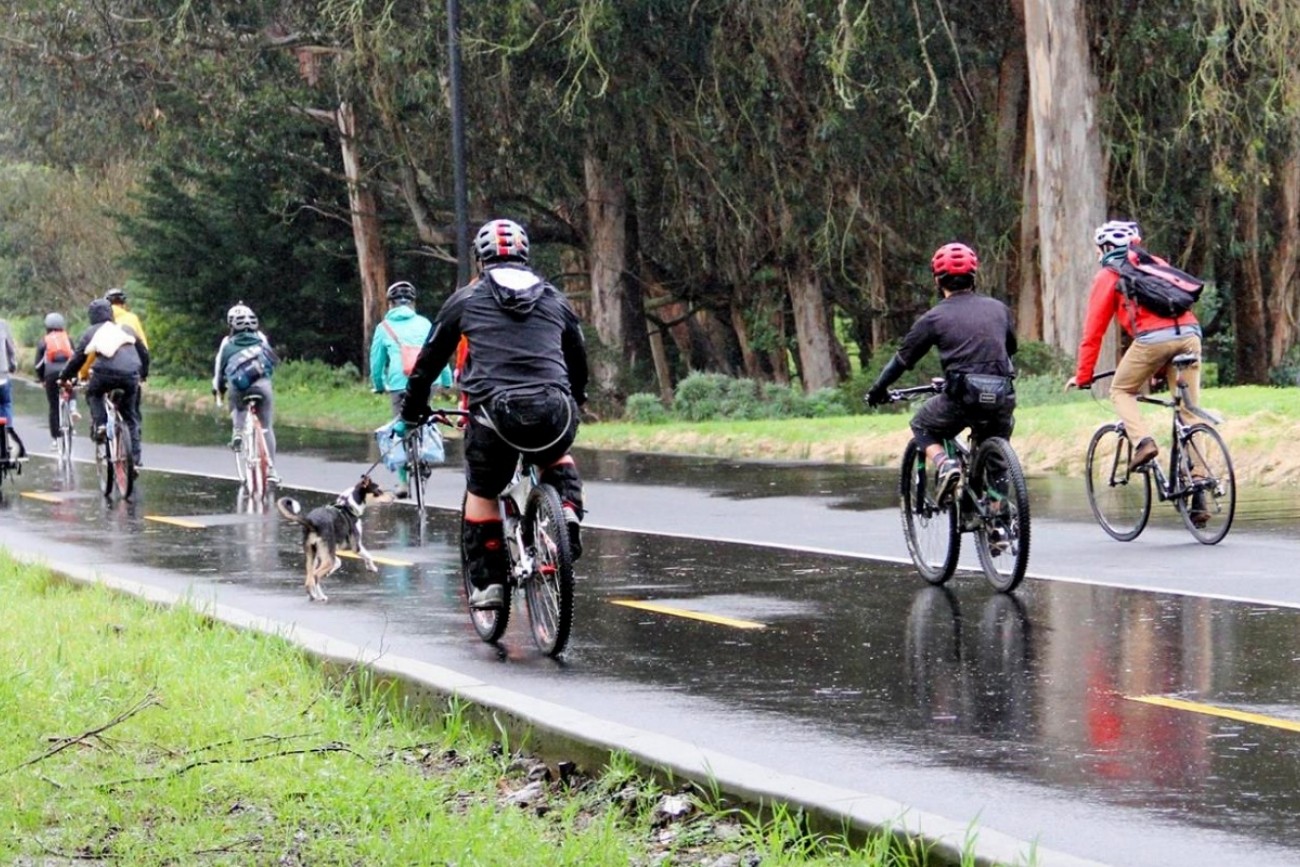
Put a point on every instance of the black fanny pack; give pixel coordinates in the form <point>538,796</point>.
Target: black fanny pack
<point>982,391</point>
<point>531,418</point>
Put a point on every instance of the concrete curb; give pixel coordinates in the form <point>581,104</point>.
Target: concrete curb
<point>559,732</point>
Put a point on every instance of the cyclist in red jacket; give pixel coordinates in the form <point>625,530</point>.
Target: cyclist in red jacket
<point>1156,340</point>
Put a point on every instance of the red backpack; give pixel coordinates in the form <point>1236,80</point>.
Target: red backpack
<point>58,348</point>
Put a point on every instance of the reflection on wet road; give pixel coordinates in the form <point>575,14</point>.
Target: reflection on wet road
<point>1033,713</point>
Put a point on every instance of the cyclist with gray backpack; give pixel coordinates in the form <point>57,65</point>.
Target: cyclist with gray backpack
<point>1152,301</point>
<point>244,364</point>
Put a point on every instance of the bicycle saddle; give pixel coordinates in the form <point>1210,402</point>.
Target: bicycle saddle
<point>1185,359</point>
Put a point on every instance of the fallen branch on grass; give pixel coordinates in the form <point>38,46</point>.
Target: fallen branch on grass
<point>150,700</point>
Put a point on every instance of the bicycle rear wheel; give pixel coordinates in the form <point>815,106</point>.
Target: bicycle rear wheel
<point>255,458</point>
<point>65,430</point>
<point>490,624</point>
<point>932,534</point>
<point>1120,498</point>
<point>549,589</point>
<point>123,474</point>
<point>997,484</point>
<point>1205,469</point>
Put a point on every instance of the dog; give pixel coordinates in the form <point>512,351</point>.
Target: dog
<point>328,529</point>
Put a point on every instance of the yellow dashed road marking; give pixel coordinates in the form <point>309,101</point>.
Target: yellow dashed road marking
<point>387,561</point>
<point>44,498</point>
<point>1213,710</point>
<point>693,615</point>
<point>178,522</point>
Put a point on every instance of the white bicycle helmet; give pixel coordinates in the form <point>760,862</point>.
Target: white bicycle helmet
<point>501,239</point>
<point>241,318</point>
<point>1116,233</point>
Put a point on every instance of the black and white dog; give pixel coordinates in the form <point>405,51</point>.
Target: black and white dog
<point>329,529</point>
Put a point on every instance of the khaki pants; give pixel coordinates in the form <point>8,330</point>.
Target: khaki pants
<point>1142,361</point>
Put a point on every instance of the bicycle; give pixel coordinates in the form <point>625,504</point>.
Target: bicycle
<point>541,561</point>
<point>252,457</point>
<point>13,454</point>
<point>418,470</point>
<point>991,501</point>
<point>67,428</point>
<point>114,466</point>
<point>1200,480</point>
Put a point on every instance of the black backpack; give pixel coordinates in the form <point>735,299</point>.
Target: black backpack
<point>1154,284</point>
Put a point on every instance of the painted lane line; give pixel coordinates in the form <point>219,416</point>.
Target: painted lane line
<point>1214,710</point>
<point>178,522</point>
<point>387,561</point>
<point>693,615</point>
<point>44,498</point>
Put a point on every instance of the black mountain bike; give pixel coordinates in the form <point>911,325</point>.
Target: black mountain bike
<point>541,561</point>
<point>1200,480</point>
<point>991,500</point>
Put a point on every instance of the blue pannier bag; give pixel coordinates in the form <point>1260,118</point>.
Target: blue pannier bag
<point>392,449</point>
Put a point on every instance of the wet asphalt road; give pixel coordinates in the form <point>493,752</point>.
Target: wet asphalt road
<point>1031,714</point>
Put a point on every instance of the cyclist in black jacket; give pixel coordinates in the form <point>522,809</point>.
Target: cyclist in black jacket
<point>525,379</point>
<point>976,340</point>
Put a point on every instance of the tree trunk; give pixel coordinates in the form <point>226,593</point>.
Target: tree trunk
<point>750,358</point>
<point>779,356</point>
<point>1029,283</point>
<point>1069,169</point>
<point>607,254</point>
<point>812,328</point>
<point>1248,291</point>
<point>1284,299</point>
<point>371,261</point>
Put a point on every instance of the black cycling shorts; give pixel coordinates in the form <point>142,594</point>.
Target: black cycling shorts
<point>942,418</point>
<point>542,425</point>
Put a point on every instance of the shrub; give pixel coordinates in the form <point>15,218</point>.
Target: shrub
<point>645,409</point>
<point>1034,358</point>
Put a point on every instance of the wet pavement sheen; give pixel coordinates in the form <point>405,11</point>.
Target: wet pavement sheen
<point>1031,713</point>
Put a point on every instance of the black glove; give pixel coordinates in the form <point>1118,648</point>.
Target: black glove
<point>878,396</point>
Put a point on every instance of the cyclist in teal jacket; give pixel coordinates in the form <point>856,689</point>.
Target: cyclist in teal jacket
<point>401,329</point>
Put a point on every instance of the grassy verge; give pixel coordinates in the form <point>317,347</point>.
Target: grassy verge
<point>1260,425</point>
<point>138,735</point>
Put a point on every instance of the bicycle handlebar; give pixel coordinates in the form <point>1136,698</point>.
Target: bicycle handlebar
<point>899,394</point>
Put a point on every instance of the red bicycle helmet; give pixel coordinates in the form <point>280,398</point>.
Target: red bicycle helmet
<point>954,259</point>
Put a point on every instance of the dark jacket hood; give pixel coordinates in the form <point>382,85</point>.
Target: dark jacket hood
<point>99,311</point>
<point>516,289</point>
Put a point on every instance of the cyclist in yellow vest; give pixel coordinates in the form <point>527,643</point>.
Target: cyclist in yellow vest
<point>123,316</point>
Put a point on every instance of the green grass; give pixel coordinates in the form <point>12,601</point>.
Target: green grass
<point>141,735</point>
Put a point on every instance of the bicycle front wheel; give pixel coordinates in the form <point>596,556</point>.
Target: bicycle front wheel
<point>932,534</point>
<point>490,624</point>
<point>549,589</point>
<point>997,484</point>
<point>415,478</point>
<point>1205,470</point>
<point>1120,498</point>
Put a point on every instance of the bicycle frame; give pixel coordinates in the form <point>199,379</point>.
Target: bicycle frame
<point>513,503</point>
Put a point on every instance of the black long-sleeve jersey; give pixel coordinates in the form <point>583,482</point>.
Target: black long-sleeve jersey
<point>521,331</point>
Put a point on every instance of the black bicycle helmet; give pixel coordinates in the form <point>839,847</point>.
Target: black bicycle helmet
<point>401,292</point>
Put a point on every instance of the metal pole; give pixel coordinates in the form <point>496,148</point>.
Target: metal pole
<point>458,142</point>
